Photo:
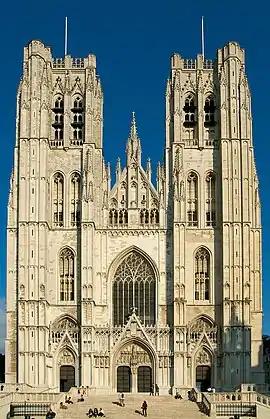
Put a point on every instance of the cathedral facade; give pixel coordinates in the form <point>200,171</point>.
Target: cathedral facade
<point>118,287</point>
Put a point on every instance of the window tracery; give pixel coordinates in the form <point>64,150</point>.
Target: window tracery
<point>77,121</point>
<point>75,185</point>
<point>210,201</point>
<point>202,274</point>
<point>67,275</point>
<point>58,200</point>
<point>65,326</point>
<point>203,326</point>
<point>209,111</point>
<point>189,111</point>
<point>134,287</point>
<point>58,118</point>
<point>192,200</point>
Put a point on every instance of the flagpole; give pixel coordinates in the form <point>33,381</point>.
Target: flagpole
<point>66,35</point>
<point>202,38</point>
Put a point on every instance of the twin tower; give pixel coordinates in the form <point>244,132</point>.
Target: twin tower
<point>119,287</point>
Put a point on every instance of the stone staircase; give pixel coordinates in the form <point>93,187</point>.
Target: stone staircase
<point>165,407</point>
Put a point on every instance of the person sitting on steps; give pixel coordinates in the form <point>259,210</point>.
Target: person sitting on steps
<point>95,413</point>
<point>90,413</point>
<point>69,401</point>
<point>101,413</point>
<point>62,406</point>
<point>81,399</point>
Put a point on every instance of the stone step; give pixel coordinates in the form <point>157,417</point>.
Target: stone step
<point>165,407</point>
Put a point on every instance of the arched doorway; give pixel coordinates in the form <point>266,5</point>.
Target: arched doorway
<point>144,379</point>
<point>67,377</point>
<point>134,368</point>
<point>203,377</point>
<point>123,379</point>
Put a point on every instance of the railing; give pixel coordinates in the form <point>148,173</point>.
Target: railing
<point>208,64</point>
<point>205,405</point>
<point>191,142</point>
<point>57,143</point>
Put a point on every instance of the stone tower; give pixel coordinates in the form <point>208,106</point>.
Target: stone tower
<point>120,287</point>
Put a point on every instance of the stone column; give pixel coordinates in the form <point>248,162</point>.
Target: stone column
<point>134,388</point>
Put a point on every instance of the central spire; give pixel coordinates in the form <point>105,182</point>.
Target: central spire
<point>133,149</point>
<point>133,129</point>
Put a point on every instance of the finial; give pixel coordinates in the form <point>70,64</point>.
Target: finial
<point>133,129</point>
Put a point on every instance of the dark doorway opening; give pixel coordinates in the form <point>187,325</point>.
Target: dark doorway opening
<point>67,377</point>
<point>123,380</point>
<point>203,377</point>
<point>144,379</point>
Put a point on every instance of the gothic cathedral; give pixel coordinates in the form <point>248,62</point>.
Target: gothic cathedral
<point>121,287</point>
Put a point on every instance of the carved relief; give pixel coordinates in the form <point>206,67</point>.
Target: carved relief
<point>203,358</point>
<point>133,355</point>
<point>66,358</point>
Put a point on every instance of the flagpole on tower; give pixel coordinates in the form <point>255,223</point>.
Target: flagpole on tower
<point>66,34</point>
<point>202,38</point>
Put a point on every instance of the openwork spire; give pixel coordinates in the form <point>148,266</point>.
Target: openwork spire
<point>133,129</point>
<point>133,144</point>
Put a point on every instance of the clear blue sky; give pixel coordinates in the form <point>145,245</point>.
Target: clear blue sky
<point>133,42</point>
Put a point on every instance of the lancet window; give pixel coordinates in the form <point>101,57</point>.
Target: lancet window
<point>134,289</point>
<point>192,200</point>
<point>67,273</point>
<point>75,184</point>
<point>58,118</point>
<point>189,111</point>
<point>209,111</point>
<point>202,274</point>
<point>58,200</point>
<point>210,199</point>
<point>77,120</point>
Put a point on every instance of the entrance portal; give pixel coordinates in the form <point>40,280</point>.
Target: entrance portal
<point>67,377</point>
<point>144,379</point>
<point>123,380</point>
<point>203,377</point>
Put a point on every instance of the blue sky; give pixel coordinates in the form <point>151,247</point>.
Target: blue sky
<point>133,42</point>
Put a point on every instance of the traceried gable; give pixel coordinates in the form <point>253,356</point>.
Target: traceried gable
<point>133,188</point>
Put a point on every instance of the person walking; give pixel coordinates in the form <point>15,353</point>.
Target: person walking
<point>144,408</point>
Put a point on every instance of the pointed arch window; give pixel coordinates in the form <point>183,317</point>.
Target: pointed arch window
<point>75,186</point>
<point>58,200</point>
<point>66,271</point>
<point>189,111</point>
<point>210,199</point>
<point>192,200</point>
<point>77,120</point>
<point>209,111</point>
<point>58,119</point>
<point>202,274</point>
<point>134,288</point>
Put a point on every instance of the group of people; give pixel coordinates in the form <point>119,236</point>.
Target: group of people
<point>94,413</point>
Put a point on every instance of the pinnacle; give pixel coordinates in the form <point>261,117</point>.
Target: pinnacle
<point>133,129</point>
